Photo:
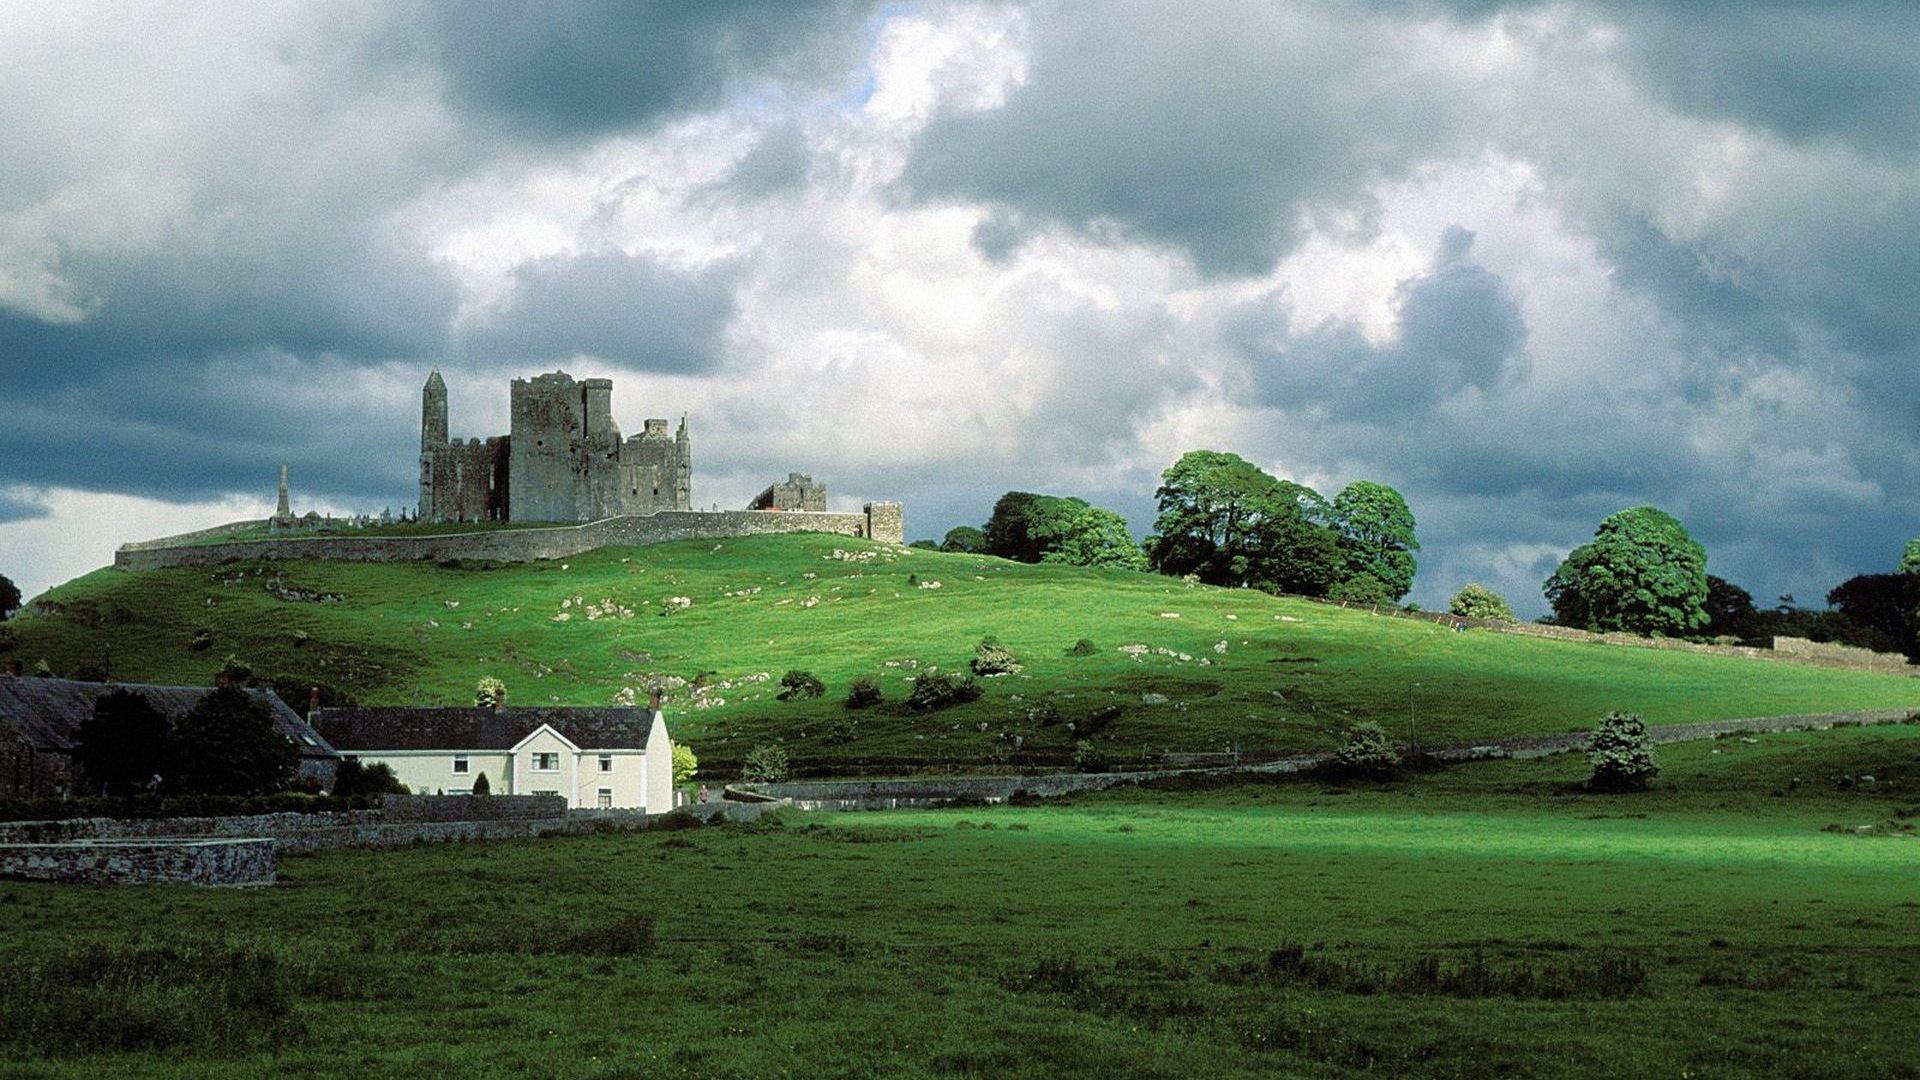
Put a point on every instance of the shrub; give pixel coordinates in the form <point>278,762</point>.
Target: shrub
<point>481,785</point>
<point>1362,588</point>
<point>863,692</point>
<point>1368,753</point>
<point>799,685</point>
<point>1097,720</point>
<point>9,639</point>
<point>489,692</point>
<point>233,671</point>
<point>1083,647</point>
<point>201,640</point>
<point>932,692</point>
<point>993,658</point>
<point>766,764</point>
<point>685,764</point>
<point>1479,602</point>
<point>352,777</point>
<point>301,637</point>
<point>1089,758</point>
<point>843,732</point>
<point>1043,714</point>
<point>1621,753</point>
<point>42,669</point>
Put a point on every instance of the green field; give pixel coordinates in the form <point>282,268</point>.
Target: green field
<point>1235,666</point>
<point>1485,920</point>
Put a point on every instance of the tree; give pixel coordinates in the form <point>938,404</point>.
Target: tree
<point>1376,536</point>
<point>1362,588</point>
<point>1097,537</point>
<point>226,745</point>
<point>489,692</point>
<point>1909,562</point>
<point>481,785</point>
<point>1475,601</point>
<point>1025,526</point>
<point>1641,573</point>
<point>685,764</point>
<point>797,685</point>
<point>1730,610</point>
<point>964,539</point>
<point>1224,520</point>
<point>766,764</point>
<point>1880,605</point>
<point>9,598</point>
<point>125,742</point>
<point>1367,753</point>
<point>1621,753</point>
<point>352,777</point>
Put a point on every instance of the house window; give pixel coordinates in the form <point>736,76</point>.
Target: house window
<point>606,798</point>
<point>546,762</point>
<point>544,791</point>
<point>606,762</point>
<point>459,764</point>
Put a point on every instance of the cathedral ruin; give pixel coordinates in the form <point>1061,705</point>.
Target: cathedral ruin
<point>562,460</point>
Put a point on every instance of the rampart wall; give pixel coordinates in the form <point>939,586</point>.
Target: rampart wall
<point>880,521</point>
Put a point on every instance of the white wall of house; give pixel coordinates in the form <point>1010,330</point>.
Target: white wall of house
<point>544,762</point>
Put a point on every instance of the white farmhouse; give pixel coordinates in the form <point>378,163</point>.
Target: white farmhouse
<point>596,758</point>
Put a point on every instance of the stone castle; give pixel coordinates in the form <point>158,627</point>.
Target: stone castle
<point>562,460</point>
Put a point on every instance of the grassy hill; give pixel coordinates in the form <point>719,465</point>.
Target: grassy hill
<point>732,617</point>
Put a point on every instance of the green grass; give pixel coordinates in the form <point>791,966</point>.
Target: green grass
<point>1486,920</point>
<point>1291,676</point>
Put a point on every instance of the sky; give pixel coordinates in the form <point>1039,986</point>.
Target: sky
<point>1528,263</point>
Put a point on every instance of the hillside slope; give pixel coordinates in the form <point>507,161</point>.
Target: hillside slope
<point>1233,666</point>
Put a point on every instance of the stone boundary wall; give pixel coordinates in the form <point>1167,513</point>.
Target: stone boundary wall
<point>1785,649</point>
<point>356,828</point>
<point>893,794</point>
<point>881,521</point>
<point>188,537</point>
<point>402,809</point>
<point>143,862</point>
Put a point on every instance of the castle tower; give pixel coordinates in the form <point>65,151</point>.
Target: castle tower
<point>683,478</point>
<point>433,413</point>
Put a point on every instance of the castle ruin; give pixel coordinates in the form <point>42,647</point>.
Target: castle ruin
<point>562,460</point>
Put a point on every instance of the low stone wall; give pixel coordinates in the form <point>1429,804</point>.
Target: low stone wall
<point>143,862</point>
<point>880,521</point>
<point>399,809</point>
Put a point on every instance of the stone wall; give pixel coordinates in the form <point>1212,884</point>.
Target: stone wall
<point>521,545</point>
<point>143,862</point>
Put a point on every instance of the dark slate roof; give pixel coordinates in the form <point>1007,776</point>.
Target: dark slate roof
<point>48,712</point>
<point>474,728</point>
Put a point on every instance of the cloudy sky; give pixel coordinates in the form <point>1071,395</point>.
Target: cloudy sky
<point>1530,263</point>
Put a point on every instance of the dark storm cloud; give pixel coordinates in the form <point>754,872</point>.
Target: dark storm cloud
<point>629,309</point>
<point>1457,327</point>
<point>14,508</point>
<point>593,66</point>
<point>1212,128</point>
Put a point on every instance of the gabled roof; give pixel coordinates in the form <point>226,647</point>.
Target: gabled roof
<point>48,712</point>
<point>475,728</point>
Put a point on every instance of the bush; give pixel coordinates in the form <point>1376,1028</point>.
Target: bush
<point>863,692</point>
<point>1043,714</point>
<point>1621,753</point>
<point>354,778</point>
<point>1480,602</point>
<point>1367,754</point>
<point>489,692</point>
<point>1089,758</point>
<point>201,640</point>
<point>1097,720</point>
<point>766,764</point>
<point>993,658</point>
<point>685,764</point>
<point>42,669</point>
<point>799,685</point>
<point>1363,588</point>
<point>1083,647</point>
<point>233,671</point>
<point>933,692</point>
<point>843,732</point>
<point>481,785</point>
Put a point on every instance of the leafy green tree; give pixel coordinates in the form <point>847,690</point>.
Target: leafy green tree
<point>1367,753</point>
<point>685,764</point>
<point>766,764</point>
<point>964,539</point>
<point>1475,601</point>
<point>1909,562</point>
<point>925,545</point>
<point>1025,526</point>
<point>1730,610</point>
<point>1362,588</point>
<point>126,740</point>
<point>226,745</point>
<point>1229,523</point>
<point>1098,537</point>
<point>1881,607</point>
<point>1621,753</point>
<point>1640,573</point>
<point>9,598</point>
<point>1376,536</point>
